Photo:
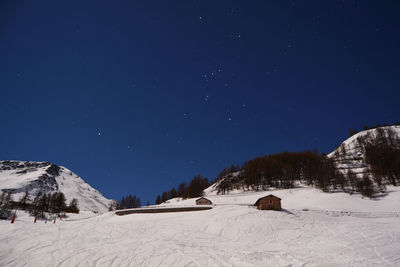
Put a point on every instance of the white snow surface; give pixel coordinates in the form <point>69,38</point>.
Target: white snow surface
<point>313,229</point>
<point>305,198</point>
<point>73,186</point>
<point>336,230</point>
<point>89,199</point>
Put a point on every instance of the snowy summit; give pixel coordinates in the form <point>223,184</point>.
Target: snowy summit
<point>17,177</point>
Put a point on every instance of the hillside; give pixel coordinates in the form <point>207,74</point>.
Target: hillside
<point>314,228</point>
<point>303,198</point>
<point>351,154</point>
<point>17,177</point>
<point>337,230</point>
<point>366,162</point>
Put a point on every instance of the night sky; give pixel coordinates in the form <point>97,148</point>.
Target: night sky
<point>138,96</point>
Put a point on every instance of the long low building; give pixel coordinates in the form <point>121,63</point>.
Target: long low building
<point>160,210</point>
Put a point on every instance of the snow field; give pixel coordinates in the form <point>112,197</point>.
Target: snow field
<point>227,235</point>
<point>306,197</point>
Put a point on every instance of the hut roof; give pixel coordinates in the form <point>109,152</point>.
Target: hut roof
<point>203,198</point>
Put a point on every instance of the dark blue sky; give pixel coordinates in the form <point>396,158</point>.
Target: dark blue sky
<point>137,96</point>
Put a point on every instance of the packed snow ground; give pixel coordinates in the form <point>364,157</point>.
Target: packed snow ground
<point>331,233</point>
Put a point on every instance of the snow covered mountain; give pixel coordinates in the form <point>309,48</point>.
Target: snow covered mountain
<point>17,177</point>
<point>350,155</point>
<point>372,152</point>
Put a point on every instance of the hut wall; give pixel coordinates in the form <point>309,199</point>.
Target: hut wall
<point>269,203</point>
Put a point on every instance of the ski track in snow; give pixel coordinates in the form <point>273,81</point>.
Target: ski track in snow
<point>228,235</point>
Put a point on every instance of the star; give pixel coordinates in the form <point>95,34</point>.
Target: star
<point>99,133</point>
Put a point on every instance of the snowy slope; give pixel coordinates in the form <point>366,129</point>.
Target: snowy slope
<point>350,155</point>
<point>305,198</point>
<point>361,233</point>
<point>313,229</point>
<point>18,176</point>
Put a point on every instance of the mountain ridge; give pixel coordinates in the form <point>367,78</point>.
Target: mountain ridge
<point>351,157</point>
<point>16,177</point>
<point>350,154</point>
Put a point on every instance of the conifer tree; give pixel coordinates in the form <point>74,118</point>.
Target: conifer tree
<point>24,201</point>
<point>164,197</point>
<point>181,189</point>
<point>35,211</point>
<point>5,205</point>
<point>158,200</point>
<point>365,187</point>
<point>73,206</point>
<point>43,205</point>
<point>60,204</point>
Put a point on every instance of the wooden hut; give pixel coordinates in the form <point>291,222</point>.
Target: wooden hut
<point>269,202</point>
<point>203,201</point>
